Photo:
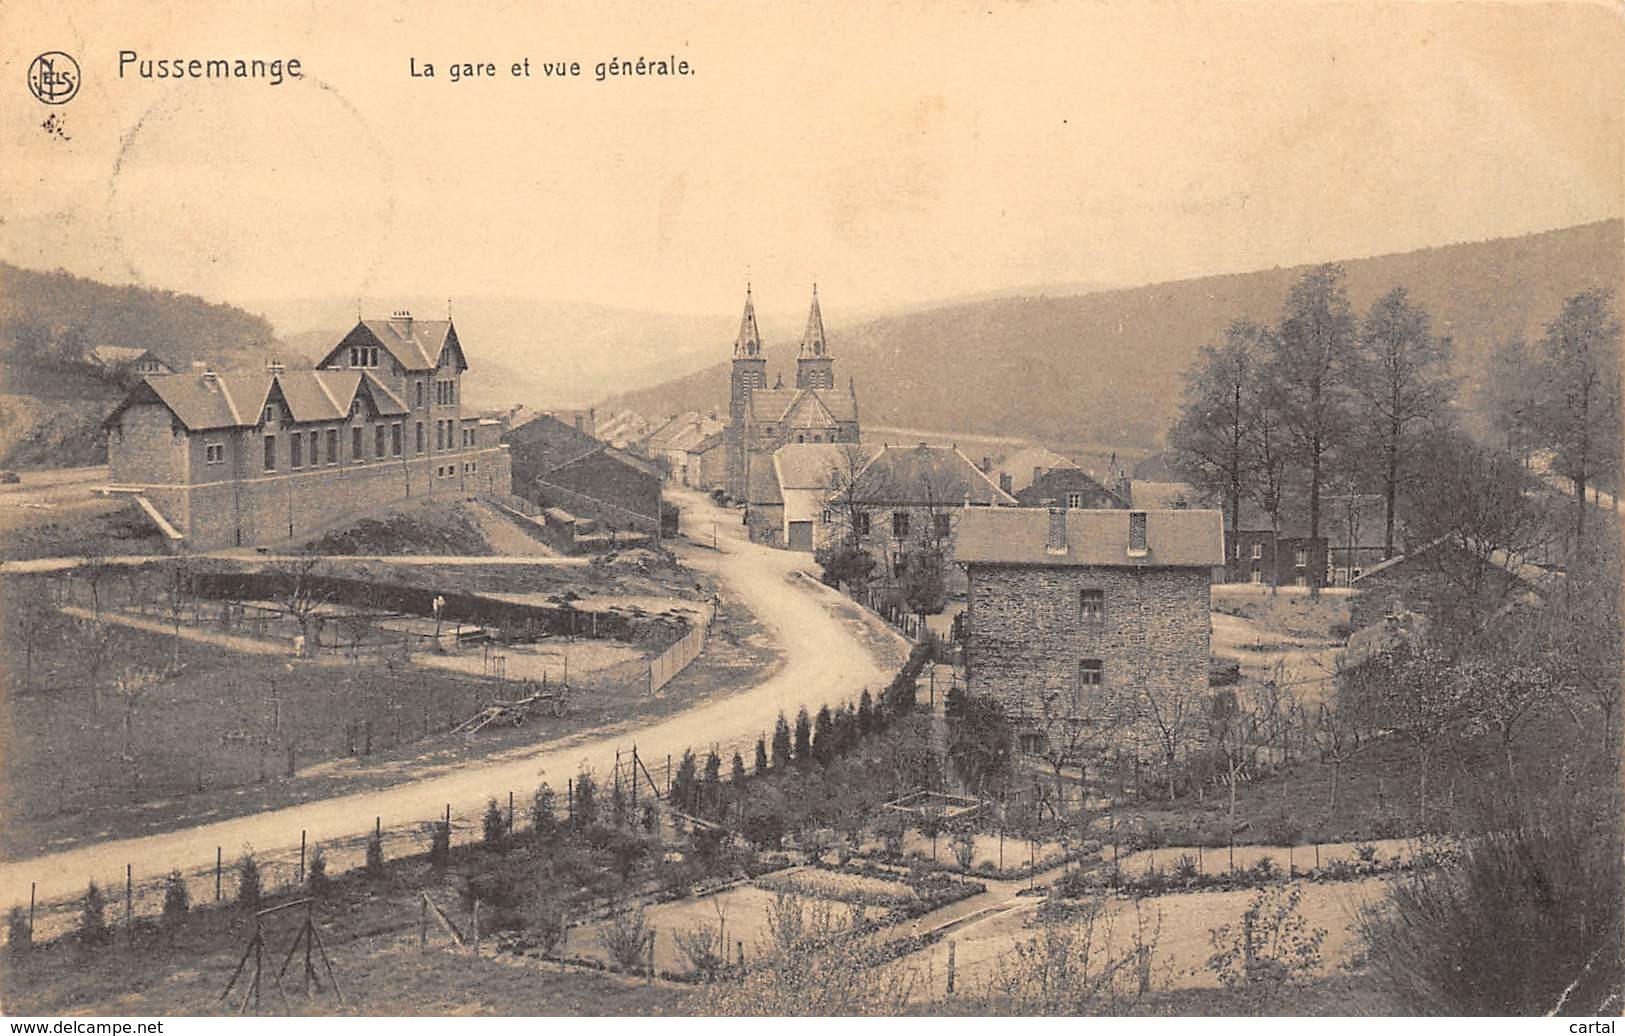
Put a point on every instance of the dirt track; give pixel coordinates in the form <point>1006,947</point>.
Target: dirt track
<point>827,660</point>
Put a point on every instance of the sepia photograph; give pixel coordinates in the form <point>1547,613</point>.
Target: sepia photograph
<point>911,510</point>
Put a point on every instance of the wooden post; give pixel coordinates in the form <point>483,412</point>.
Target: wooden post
<point>129,900</point>
<point>378,826</point>
<point>217,874</point>
<point>651,978</point>
<point>423,922</point>
<point>570,799</point>
<point>510,812</point>
<point>476,926</point>
<point>301,857</point>
<point>31,886</point>
<point>950,967</point>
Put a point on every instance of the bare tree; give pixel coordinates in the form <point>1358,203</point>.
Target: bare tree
<point>31,619</point>
<point>1211,441</point>
<point>302,595</point>
<point>1400,376</point>
<point>1173,718</point>
<point>1579,410</point>
<point>132,684</point>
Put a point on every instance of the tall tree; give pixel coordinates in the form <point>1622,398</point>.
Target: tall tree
<point>1310,368</point>
<point>1209,443</point>
<point>1580,406</point>
<point>1506,396</point>
<point>1399,374</point>
<point>1268,449</point>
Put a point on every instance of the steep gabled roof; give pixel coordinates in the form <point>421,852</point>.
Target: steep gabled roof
<point>1020,536</point>
<point>418,345</point>
<point>807,465</point>
<point>238,399</point>
<point>813,342</point>
<point>749,341</point>
<point>1019,465</point>
<point>920,475</point>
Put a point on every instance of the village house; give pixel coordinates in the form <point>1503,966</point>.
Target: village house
<point>557,465</point>
<point>123,358</point>
<point>789,499</point>
<point>257,457</point>
<point>1256,549</point>
<point>1067,485</point>
<point>691,446</point>
<point>1094,620</point>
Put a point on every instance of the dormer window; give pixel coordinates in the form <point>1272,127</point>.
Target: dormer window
<point>363,356</point>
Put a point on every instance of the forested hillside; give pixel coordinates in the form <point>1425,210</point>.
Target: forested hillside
<point>1108,366</point>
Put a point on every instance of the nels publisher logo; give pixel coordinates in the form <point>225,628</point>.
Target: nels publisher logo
<point>54,77</point>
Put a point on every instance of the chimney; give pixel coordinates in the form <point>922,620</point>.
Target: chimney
<point>1038,473</point>
<point>987,465</point>
<point>210,379</point>
<point>273,366</point>
<point>581,422</point>
<point>1004,481</point>
<point>401,320</point>
<point>1056,542</point>
<point>1137,546</point>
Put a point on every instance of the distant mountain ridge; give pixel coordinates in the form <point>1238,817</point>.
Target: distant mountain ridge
<point>1107,366</point>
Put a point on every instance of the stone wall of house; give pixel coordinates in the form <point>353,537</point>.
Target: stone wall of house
<point>602,487</point>
<point>147,446</point>
<point>1028,636</point>
<point>884,545</point>
<point>1252,551</point>
<point>765,523</point>
<point>259,510</point>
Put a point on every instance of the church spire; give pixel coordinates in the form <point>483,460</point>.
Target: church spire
<point>813,342</point>
<point>749,342</point>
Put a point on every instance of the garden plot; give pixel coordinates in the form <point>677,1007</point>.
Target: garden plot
<point>1017,854</point>
<point>1212,860</point>
<point>742,910</point>
<point>838,886</point>
<point>1180,923</point>
<point>515,662</point>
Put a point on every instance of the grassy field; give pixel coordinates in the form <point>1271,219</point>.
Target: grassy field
<point>76,770</point>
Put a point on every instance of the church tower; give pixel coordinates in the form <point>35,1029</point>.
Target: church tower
<point>815,369</point>
<point>749,366</point>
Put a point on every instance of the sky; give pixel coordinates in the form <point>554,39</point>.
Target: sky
<point>894,153</point>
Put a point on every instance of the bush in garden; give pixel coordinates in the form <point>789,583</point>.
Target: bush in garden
<point>764,829</point>
<point>823,736</point>
<point>375,857</point>
<point>866,713</point>
<point>760,765</point>
<point>550,926</point>
<point>19,936</point>
<point>781,744</point>
<point>1186,869</point>
<point>1264,871</point>
<point>439,843</point>
<point>619,808</point>
<point>703,948</point>
<point>494,825</point>
<point>544,817</point>
<point>1268,949</point>
<point>803,737</point>
<point>685,783</point>
<point>320,884</point>
<point>93,930</point>
<point>177,900</point>
<point>626,938</point>
<point>249,889</point>
<point>586,805</point>
<point>650,820</point>
<point>963,844</point>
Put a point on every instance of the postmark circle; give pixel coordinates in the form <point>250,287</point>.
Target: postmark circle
<point>53,77</point>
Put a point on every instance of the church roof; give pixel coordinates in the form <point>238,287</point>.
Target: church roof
<point>749,342</point>
<point>813,342</point>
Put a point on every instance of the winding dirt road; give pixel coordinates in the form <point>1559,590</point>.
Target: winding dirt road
<point>828,658</point>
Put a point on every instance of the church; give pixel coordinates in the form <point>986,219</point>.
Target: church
<point>762,419</point>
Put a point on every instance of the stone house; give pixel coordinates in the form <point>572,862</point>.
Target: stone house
<point>1067,485</point>
<point>1090,624</point>
<point>257,457</point>
<point>557,465</point>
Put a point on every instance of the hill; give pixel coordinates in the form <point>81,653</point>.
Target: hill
<point>1107,366</point>
<point>52,399</point>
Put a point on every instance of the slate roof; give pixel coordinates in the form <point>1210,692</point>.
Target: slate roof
<point>1162,496</point>
<point>1018,536</point>
<point>237,399</point>
<point>762,483</point>
<point>415,344</point>
<point>807,465</point>
<point>803,408</point>
<point>813,341</point>
<point>1019,465</point>
<point>749,340</point>
<point>923,474</point>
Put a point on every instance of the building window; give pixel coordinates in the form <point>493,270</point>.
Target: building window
<point>899,524</point>
<point>419,386</point>
<point>860,523</point>
<point>828,517</point>
<point>214,453</point>
<point>943,526</point>
<point>1235,551</point>
<point>1257,577</point>
<point>1300,581</point>
<point>420,437</point>
<point>1300,557</point>
<point>1032,743</point>
<point>270,453</point>
<point>270,415</point>
<point>315,448</point>
<point>332,446</point>
<point>1258,550</point>
<point>395,439</point>
<point>355,443</point>
<point>1136,532</point>
<point>296,451</point>
<point>1091,672</point>
<point>363,356</point>
<point>1092,606</point>
<point>1074,500</point>
<point>900,565</point>
<point>440,435</point>
<point>378,440</point>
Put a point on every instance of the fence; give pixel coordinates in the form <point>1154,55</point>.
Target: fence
<point>666,665</point>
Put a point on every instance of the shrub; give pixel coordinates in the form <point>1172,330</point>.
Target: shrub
<point>494,825</point>
<point>550,927</point>
<point>626,938</point>
<point>586,800</point>
<point>1270,947</point>
<point>375,857</point>
<point>248,883</point>
<point>703,948</point>
<point>93,930</point>
<point>177,900</point>
<point>544,818</point>
<point>1186,869</point>
<point>1456,939</point>
<point>1264,871</point>
<point>963,844</point>
<point>1367,853</point>
<point>500,895</point>
<point>19,934</point>
<point>316,876</point>
<point>439,843</point>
